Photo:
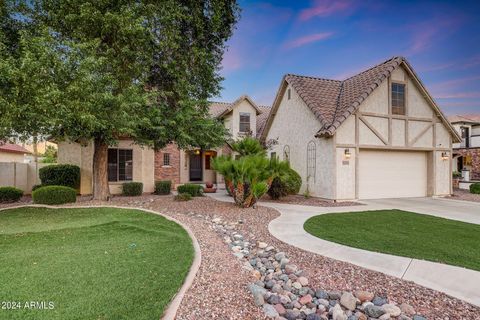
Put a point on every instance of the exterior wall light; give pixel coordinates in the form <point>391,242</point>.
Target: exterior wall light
<point>445,155</point>
<point>347,153</point>
<point>197,152</point>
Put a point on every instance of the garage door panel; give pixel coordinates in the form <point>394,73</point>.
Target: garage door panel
<point>392,174</point>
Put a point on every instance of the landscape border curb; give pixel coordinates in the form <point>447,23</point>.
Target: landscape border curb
<point>172,308</point>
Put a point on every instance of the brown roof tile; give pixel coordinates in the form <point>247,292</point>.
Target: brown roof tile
<point>12,148</point>
<point>333,101</point>
<point>262,119</point>
<point>470,118</point>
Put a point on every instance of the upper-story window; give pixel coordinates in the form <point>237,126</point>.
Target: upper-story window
<point>465,136</point>
<point>120,165</point>
<point>398,98</point>
<point>244,122</point>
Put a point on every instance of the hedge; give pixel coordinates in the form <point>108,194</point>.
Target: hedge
<point>475,188</point>
<point>10,194</point>
<point>163,187</point>
<point>183,197</point>
<point>195,190</point>
<point>54,195</point>
<point>37,186</point>
<point>132,188</point>
<point>67,175</point>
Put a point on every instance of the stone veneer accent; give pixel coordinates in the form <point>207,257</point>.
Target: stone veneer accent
<point>171,172</point>
<point>475,154</point>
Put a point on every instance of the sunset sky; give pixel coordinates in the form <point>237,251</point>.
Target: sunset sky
<point>337,39</point>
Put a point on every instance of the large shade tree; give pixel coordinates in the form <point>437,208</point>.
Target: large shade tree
<point>100,70</point>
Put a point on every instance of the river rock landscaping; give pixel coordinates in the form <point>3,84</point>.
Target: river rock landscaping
<point>283,292</point>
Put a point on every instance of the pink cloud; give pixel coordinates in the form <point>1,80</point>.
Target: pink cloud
<point>458,95</point>
<point>301,41</point>
<point>324,8</point>
<point>231,61</point>
<point>426,33</point>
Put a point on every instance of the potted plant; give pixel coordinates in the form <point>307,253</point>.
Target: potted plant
<point>209,188</point>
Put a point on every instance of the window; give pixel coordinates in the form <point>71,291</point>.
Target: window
<point>166,159</point>
<point>311,160</point>
<point>398,98</point>
<point>120,165</point>
<point>273,155</point>
<point>244,122</point>
<point>286,153</point>
<point>289,94</point>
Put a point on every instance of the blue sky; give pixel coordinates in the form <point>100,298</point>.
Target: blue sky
<point>339,38</point>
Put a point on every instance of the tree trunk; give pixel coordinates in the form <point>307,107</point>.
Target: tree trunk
<point>100,174</point>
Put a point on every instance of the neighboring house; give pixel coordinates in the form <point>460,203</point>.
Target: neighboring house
<point>10,152</point>
<point>466,154</point>
<point>130,162</point>
<point>378,134</point>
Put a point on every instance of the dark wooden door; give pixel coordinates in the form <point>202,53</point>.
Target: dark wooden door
<point>196,173</point>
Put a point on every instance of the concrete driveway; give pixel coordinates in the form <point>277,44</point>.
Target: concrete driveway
<point>451,209</point>
<point>455,281</point>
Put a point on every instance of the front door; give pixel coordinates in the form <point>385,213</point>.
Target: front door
<point>196,173</point>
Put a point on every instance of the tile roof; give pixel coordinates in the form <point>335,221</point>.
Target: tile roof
<point>12,148</point>
<point>470,118</point>
<point>262,119</point>
<point>332,101</point>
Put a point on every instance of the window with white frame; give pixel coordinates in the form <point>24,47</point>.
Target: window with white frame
<point>244,122</point>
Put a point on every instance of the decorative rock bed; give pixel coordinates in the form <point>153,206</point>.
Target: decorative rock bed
<point>282,290</point>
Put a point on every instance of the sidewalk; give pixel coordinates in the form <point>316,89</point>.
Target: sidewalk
<point>455,281</point>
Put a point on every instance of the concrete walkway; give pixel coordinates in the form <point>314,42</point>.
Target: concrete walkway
<point>455,281</point>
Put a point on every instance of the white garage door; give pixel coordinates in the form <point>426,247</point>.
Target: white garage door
<point>392,174</point>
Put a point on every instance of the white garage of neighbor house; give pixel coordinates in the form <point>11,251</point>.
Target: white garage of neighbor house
<point>378,134</point>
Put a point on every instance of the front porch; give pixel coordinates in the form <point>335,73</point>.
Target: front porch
<point>198,167</point>
<point>467,159</point>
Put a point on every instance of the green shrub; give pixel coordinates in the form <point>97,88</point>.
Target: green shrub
<point>132,188</point>
<point>195,190</point>
<point>60,175</point>
<point>475,188</point>
<point>10,194</point>
<point>456,174</point>
<point>183,197</point>
<point>277,189</point>
<point>287,183</point>
<point>37,186</point>
<point>293,182</point>
<point>163,187</point>
<point>54,195</point>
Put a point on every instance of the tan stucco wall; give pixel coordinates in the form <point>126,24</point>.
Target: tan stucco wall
<point>345,170</point>
<point>443,182</point>
<point>295,125</point>
<point>12,157</point>
<point>143,164</point>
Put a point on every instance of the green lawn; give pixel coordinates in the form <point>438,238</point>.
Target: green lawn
<point>402,233</point>
<point>96,263</point>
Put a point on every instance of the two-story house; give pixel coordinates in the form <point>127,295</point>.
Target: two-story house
<point>466,154</point>
<point>130,162</point>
